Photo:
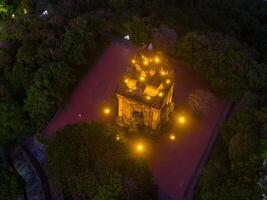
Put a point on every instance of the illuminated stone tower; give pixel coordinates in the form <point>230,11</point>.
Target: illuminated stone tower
<point>145,91</point>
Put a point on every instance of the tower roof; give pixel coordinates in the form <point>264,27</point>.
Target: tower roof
<point>148,79</point>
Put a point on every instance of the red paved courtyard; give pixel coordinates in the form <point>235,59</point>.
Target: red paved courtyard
<point>173,163</point>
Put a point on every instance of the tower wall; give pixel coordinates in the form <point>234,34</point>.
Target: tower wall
<point>126,107</point>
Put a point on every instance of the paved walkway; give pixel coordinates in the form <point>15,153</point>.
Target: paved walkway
<point>173,163</point>
<point>95,91</point>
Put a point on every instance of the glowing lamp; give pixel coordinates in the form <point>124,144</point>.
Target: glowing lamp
<point>148,97</point>
<point>126,80</point>
<point>172,137</point>
<point>157,60</point>
<point>168,81</point>
<point>13,16</point>
<point>107,111</point>
<point>118,138</point>
<point>45,12</point>
<point>142,78</point>
<point>133,61</point>
<point>140,148</point>
<point>127,37</point>
<point>181,119</point>
<point>145,62</point>
<point>161,94</point>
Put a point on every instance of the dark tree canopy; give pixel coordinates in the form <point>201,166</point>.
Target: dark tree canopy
<point>223,62</point>
<point>13,122</point>
<point>10,185</point>
<point>234,168</point>
<point>87,159</point>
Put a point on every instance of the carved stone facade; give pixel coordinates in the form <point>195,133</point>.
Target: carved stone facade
<point>145,92</point>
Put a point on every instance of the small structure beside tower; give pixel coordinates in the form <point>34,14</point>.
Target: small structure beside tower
<point>146,89</point>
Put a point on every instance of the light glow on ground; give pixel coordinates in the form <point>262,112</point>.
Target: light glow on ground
<point>172,137</point>
<point>118,138</point>
<point>181,119</point>
<point>107,111</point>
<point>140,147</point>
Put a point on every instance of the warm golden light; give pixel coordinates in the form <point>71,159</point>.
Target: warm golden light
<point>145,62</point>
<point>168,81</point>
<point>148,97</point>
<point>172,137</point>
<point>107,111</point>
<point>126,80</point>
<point>133,61</point>
<point>118,138</point>
<point>140,147</point>
<point>142,78</point>
<point>163,73</point>
<point>157,60</point>
<point>161,94</point>
<point>181,119</point>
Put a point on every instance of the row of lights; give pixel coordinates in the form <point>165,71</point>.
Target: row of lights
<point>139,147</point>
<point>160,94</point>
<point>142,78</point>
<point>146,61</point>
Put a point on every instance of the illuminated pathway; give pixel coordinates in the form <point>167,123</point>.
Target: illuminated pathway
<point>173,162</point>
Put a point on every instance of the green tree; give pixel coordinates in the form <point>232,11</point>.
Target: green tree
<point>242,19</point>
<point>87,159</point>
<point>11,186</point>
<point>242,145</point>
<point>138,29</point>
<point>223,62</point>
<point>78,40</point>
<point>234,168</point>
<point>242,183</point>
<point>13,122</point>
<point>48,91</point>
<point>26,65</point>
<point>111,190</point>
<point>215,174</point>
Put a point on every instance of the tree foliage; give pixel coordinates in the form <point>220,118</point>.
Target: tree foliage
<point>234,168</point>
<point>50,85</point>
<point>10,185</point>
<point>86,159</point>
<point>242,19</point>
<point>13,122</point>
<point>223,62</point>
<point>44,59</point>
